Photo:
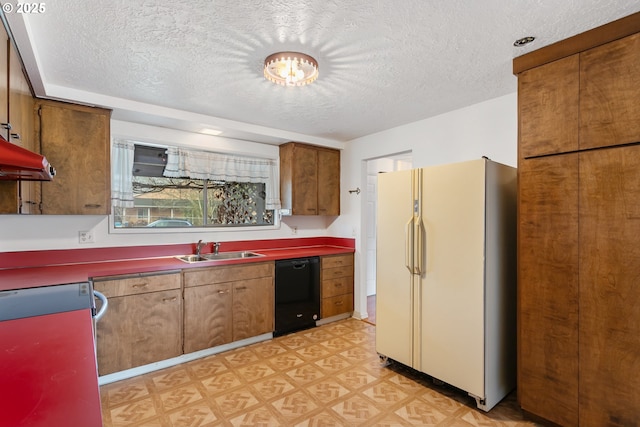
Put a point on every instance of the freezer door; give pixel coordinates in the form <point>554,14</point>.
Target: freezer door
<point>394,310</point>
<point>452,308</point>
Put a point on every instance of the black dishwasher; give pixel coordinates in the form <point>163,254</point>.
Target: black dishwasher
<point>297,294</point>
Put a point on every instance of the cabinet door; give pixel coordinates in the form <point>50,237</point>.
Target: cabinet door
<point>328,182</point>
<point>75,140</point>
<point>208,312</point>
<point>139,329</point>
<point>609,94</point>
<point>253,307</point>
<point>548,108</point>
<point>609,287</point>
<point>305,181</point>
<point>21,104</point>
<point>548,287</point>
<point>23,196</point>
<point>8,190</point>
<point>335,305</point>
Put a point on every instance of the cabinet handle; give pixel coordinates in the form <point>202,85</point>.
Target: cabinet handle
<point>241,288</point>
<point>15,136</point>
<point>337,285</point>
<point>139,285</point>
<point>7,125</point>
<point>223,292</point>
<point>339,302</point>
<point>92,205</point>
<point>169,299</point>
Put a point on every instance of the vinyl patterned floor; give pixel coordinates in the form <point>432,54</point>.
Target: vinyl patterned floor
<point>322,377</point>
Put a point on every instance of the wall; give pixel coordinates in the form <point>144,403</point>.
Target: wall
<point>488,128</point>
<point>41,232</point>
<point>485,129</point>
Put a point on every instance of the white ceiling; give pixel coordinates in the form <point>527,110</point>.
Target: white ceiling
<point>383,63</point>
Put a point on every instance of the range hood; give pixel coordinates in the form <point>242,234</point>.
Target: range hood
<point>17,163</point>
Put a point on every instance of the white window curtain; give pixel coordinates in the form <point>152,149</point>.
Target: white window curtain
<point>122,174</point>
<point>183,162</point>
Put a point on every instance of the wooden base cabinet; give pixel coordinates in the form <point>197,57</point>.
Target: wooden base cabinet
<point>548,288</point>
<point>227,303</point>
<point>609,333</point>
<point>336,291</point>
<point>143,322</point>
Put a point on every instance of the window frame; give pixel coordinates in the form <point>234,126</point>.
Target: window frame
<point>194,229</point>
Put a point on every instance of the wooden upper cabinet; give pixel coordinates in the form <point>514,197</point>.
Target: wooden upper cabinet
<point>4,79</point>
<point>21,117</point>
<point>16,116</point>
<point>548,108</point>
<point>309,179</point>
<point>609,94</point>
<point>75,140</point>
<point>328,182</point>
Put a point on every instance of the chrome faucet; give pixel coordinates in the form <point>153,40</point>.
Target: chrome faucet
<point>199,246</point>
<point>216,247</point>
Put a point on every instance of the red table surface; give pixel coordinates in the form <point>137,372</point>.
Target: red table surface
<point>48,374</point>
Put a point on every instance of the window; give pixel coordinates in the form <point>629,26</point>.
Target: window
<point>166,202</point>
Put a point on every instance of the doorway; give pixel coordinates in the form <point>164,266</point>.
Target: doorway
<point>390,163</point>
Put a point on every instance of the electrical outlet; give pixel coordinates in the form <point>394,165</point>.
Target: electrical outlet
<point>85,236</point>
<point>294,230</point>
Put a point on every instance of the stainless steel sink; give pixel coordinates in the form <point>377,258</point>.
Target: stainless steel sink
<point>232,255</point>
<point>218,256</point>
<point>192,258</point>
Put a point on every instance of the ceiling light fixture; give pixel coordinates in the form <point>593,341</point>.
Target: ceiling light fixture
<point>523,41</point>
<point>290,68</point>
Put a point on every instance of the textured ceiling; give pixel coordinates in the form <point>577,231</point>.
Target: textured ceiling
<point>383,63</point>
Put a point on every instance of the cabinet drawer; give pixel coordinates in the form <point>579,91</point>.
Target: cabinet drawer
<point>136,284</point>
<point>337,272</point>
<point>337,305</point>
<point>222,274</point>
<point>337,261</point>
<point>339,286</point>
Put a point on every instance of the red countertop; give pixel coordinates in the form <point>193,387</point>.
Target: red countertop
<point>20,270</point>
<point>48,372</point>
<point>49,375</point>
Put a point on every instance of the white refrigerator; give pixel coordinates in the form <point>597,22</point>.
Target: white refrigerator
<point>446,275</point>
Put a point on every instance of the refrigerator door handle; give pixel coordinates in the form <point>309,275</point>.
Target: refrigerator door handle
<point>419,246</point>
<point>408,245</point>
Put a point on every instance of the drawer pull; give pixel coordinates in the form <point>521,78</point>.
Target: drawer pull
<point>223,292</point>
<point>339,302</point>
<point>169,299</point>
<point>241,288</point>
<point>92,205</point>
<point>139,285</point>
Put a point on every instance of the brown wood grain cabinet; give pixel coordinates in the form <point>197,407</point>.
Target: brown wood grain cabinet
<point>609,200</point>
<point>548,108</point>
<point>309,179</point>
<point>548,287</point>
<point>143,323</point>
<point>609,94</point>
<point>227,303</point>
<point>16,116</point>
<point>579,218</point>
<point>75,139</point>
<point>336,290</point>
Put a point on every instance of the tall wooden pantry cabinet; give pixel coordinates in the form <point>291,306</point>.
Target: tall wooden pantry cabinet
<point>579,218</point>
